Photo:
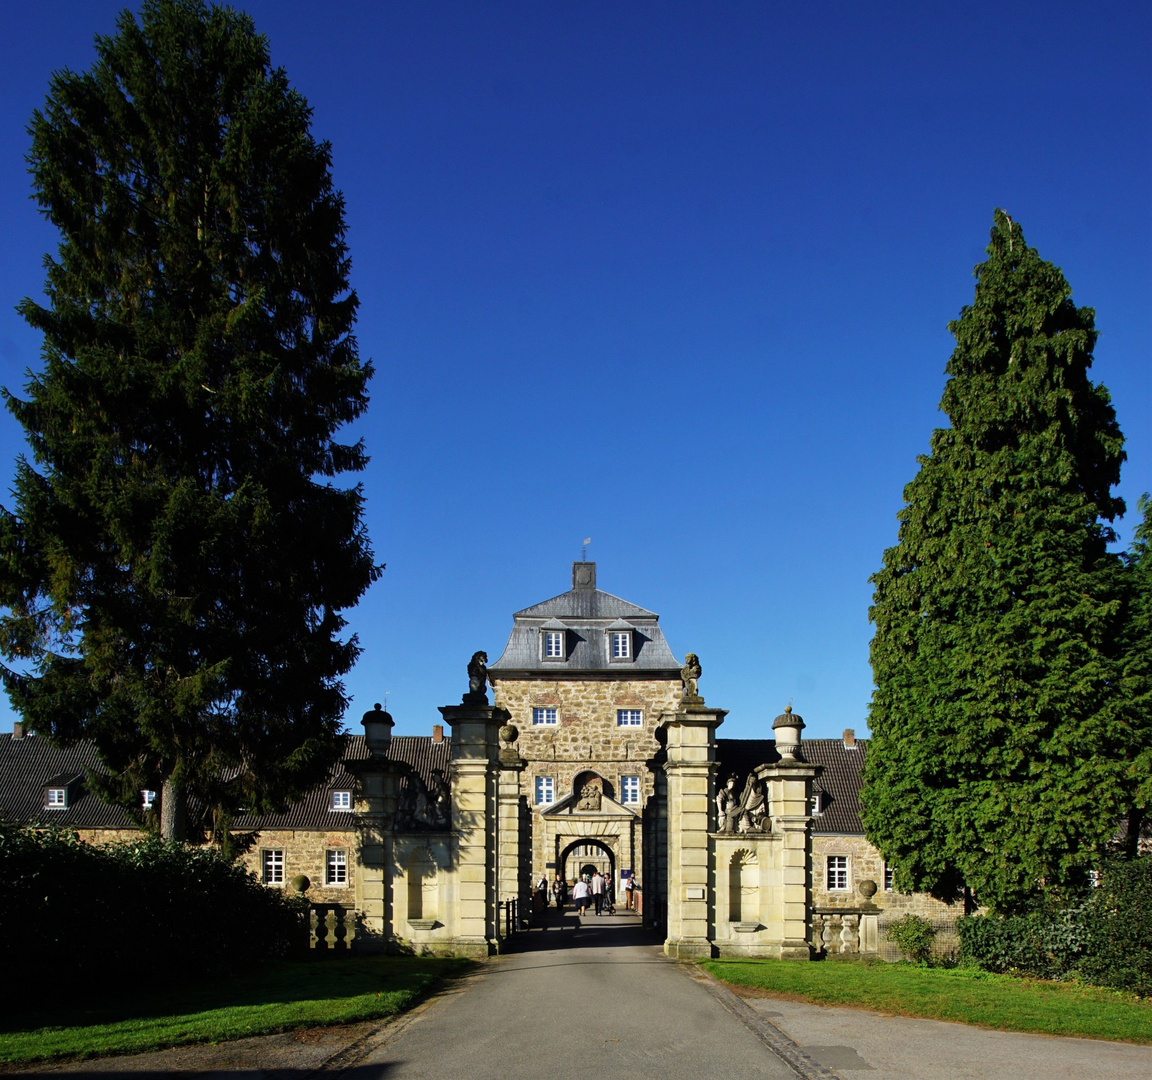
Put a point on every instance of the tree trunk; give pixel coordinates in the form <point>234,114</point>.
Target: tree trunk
<point>172,811</point>
<point>1135,826</point>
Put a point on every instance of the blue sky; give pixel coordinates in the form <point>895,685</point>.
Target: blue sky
<point>676,277</point>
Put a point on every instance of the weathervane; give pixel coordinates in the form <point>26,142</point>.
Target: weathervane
<point>584,549</point>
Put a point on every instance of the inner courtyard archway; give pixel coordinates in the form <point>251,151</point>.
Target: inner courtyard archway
<point>586,855</point>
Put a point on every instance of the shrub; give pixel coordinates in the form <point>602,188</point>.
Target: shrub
<point>79,916</point>
<point>914,937</point>
<point>1118,924</point>
<point>1107,939</point>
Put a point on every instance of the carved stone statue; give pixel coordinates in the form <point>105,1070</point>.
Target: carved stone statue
<point>753,808</point>
<point>690,675</point>
<point>590,796</point>
<point>727,807</point>
<point>478,675</point>
<point>424,808</point>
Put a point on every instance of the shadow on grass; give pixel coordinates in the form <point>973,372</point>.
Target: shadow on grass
<point>279,984</point>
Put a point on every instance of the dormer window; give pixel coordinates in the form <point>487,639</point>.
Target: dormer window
<point>342,800</point>
<point>817,803</point>
<point>553,644</point>
<point>56,798</point>
<point>621,645</point>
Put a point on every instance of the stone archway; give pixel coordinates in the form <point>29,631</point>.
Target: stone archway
<point>583,852</point>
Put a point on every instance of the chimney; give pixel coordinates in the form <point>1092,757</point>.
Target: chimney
<point>18,729</point>
<point>849,738</point>
<point>584,576</point>
<point>437,732</point>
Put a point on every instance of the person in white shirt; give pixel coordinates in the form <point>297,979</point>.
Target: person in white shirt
<point>598,891</point>
<point>580,894</point>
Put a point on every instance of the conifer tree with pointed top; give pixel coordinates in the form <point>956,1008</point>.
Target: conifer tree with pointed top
<point>1002,745</point>
<point>180,551</point>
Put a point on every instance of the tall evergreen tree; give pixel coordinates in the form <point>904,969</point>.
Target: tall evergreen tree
<point>1137,677</point>
<point>1002,750</point>
<point>179,555</point>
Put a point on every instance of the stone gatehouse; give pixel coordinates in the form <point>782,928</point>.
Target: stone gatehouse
<point>597,750</point>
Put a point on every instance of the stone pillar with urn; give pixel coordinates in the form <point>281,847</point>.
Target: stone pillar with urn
<point>376,797</point>
<point>789,785</point>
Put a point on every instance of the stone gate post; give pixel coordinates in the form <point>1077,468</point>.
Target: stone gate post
<point>376,797</point>
<point>474,770</point>
<point>789,784</point>
<point>691,769</point>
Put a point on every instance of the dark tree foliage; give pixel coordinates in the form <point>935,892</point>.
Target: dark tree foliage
<point>84,921</point>
<point>179,554</point>
<point>1003,744</point>
<point>1137,678</point>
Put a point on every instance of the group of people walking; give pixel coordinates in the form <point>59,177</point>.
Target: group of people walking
<point>595,890</point>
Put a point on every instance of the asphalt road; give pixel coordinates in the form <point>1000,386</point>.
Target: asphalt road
<point>589,999</point>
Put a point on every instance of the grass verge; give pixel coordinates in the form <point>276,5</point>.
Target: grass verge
<point>965,995</point>
<point>290,995</point>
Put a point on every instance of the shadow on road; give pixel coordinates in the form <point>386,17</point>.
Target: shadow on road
<point>568,930</point>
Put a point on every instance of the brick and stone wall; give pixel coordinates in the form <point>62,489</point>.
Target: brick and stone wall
<point>865,862</point>
<point>305,852</point>
<point>586,738</point>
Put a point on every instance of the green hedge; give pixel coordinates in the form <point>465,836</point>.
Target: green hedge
<point>1106,940</point>
<point>79,916</point>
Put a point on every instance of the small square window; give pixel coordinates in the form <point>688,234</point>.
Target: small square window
<point>273,863</point>
<point>621,644</point>
<point>147,798</point>
<point>342,800</point>
<point>543,716</point>
<point>838,873</point>
<point>628,718</point>
<point>545,791</point>
<point>336,867</point>
<point>553,644</point>
<point>57,798</point>
<point>630,790</point>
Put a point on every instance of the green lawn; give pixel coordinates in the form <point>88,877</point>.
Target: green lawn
<point>961,994</point>
<point>291,995</point>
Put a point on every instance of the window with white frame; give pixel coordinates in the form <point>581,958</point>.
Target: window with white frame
<point>272,860</point>
<point>545,791</point>
<point>620,642</point>
<point>147,799</point>
<point>816,803</point>
<point>546,715</point>
<point>553,644</point>
<point>57,798</point>
<point>336,867</point>
<point>342,800</point>
<point>628,718</point>
<point>889,878</point>
<point>630,790</point>
<point>837,873</point>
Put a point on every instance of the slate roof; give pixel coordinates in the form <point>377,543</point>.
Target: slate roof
<point>586,614</point>
<point>840,781</point>
<point>30,764</point>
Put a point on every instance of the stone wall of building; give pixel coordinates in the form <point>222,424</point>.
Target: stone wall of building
<point>586,738</point>
<point>865,862</point>
<point>108,836</point>
<point>306,852</point>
